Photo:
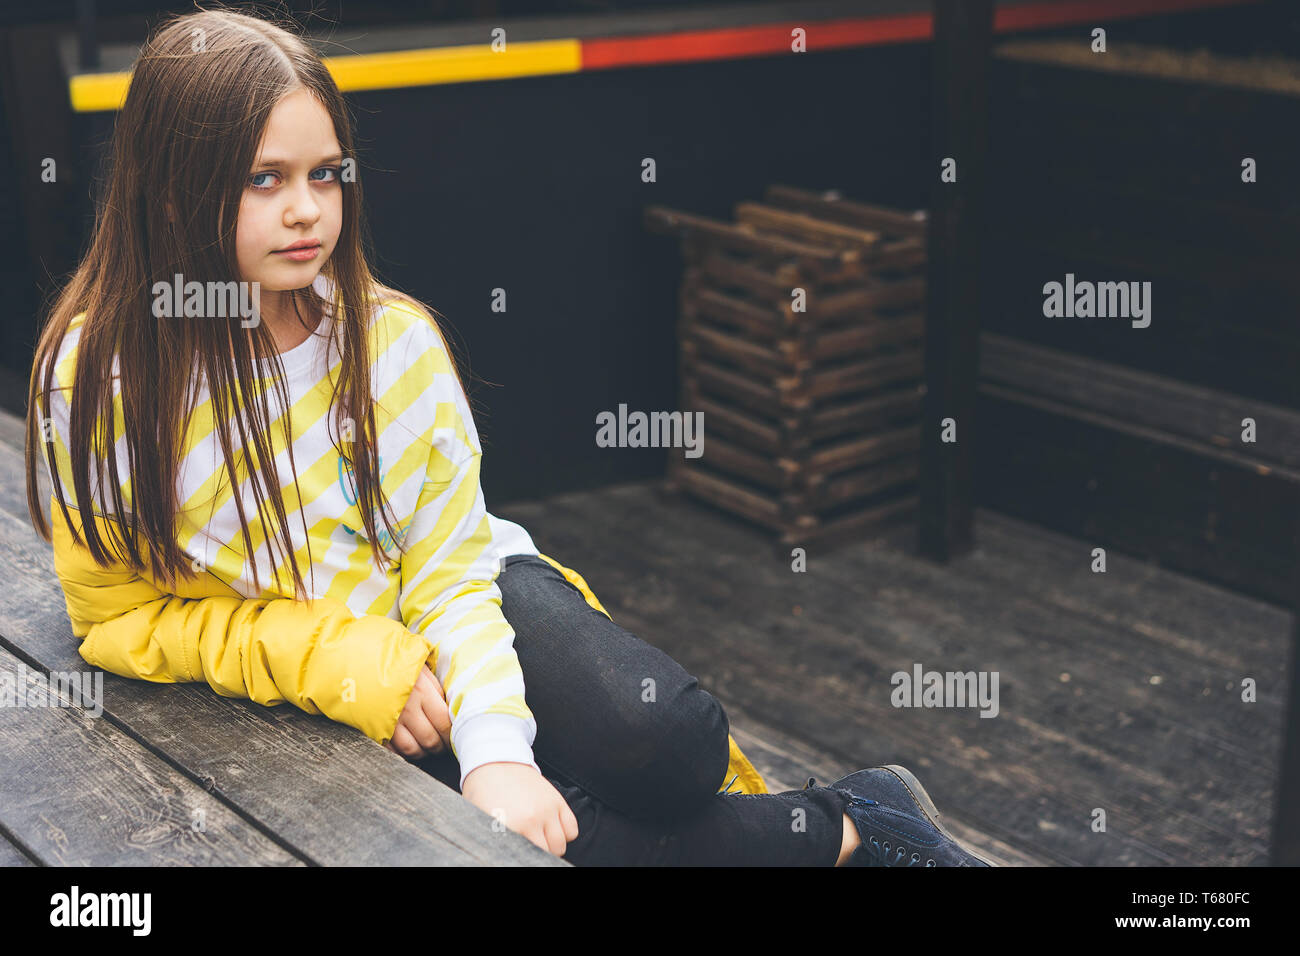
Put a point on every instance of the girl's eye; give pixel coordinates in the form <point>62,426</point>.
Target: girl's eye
<point>331,176</point>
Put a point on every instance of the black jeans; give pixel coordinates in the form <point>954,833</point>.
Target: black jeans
<point>637,748</point>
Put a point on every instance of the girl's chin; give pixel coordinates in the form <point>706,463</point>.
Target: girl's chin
<point>290,275</point>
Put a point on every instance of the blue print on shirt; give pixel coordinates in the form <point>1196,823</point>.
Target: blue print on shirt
<point>349,493</point>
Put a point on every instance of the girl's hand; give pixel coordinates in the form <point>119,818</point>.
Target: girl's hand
<point>525,801</point>
<point>424,726</point>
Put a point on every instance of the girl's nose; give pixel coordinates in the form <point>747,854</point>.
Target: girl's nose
<point>302,207</point>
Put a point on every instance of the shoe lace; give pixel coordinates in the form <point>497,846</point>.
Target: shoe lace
<point>885,854</point>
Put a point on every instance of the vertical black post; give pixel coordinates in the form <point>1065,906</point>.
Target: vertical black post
<point>87,42</point>
<point>963,31</point>
<point>1286,817</point>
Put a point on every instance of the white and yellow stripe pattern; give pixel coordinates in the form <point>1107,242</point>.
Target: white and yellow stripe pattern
<point>444,587</point>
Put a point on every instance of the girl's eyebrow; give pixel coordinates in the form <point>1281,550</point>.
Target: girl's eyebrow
<point>332,157</point>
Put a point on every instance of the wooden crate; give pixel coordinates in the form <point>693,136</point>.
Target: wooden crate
<point>811,401</point>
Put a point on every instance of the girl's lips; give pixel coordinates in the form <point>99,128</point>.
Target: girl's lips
<point>301,254</point>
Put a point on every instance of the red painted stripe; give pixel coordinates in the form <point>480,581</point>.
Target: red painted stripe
<point>1029,16</point>
<point>764,39</point>
<point>775,38</point>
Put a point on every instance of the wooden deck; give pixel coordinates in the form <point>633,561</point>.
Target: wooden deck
<point>1117,690</point>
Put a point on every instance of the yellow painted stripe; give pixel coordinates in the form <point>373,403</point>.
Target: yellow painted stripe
<point>92,92</point>
<point>457,64</point>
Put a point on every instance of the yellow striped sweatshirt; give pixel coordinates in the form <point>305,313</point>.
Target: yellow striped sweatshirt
<point>354,651</point>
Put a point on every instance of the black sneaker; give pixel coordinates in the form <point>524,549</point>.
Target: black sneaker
<point>897,822</point>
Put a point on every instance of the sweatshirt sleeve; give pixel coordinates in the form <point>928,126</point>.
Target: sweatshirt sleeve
<point>317,655</point>
<point>448,587</point>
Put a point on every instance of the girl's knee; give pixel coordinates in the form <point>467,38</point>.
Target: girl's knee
<point>693,750</point>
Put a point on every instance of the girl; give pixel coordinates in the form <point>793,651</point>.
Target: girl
<point>226,257</point>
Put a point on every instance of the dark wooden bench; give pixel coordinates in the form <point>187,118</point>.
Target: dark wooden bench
<point>173,774</point>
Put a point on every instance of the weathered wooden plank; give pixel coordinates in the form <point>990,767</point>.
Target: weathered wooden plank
<point>872,412</point>
<point>733,423</point>
<point>367,805</point>
<point>728,495</point>
<point>769,286</point>
<point>724,381</point>
<point>797,353</point>
<point>1202,71</point>
<point>862,451</point>
<point>794,394</point>
<point>752,467</point>
<point>900,257</point>
<point>837,209</point>
<point>1180,408</point>
<point>740,351</point>
<point>861,242</point>
<point>858,376</point>
<point>881,295</point>
<point>791,434</point>
<point>11,855</point>
<point>700,299</point>
<point>828,492</point>
<point>77,791</point>
<point>740,238</point>
<point>846,343</point>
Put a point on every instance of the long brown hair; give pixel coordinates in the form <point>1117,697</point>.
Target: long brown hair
<point>188,133</point>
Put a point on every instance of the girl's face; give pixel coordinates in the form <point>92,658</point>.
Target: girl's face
<point>293,195</point>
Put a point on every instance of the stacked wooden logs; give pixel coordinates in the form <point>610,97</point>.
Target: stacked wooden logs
<point>801,341</point>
